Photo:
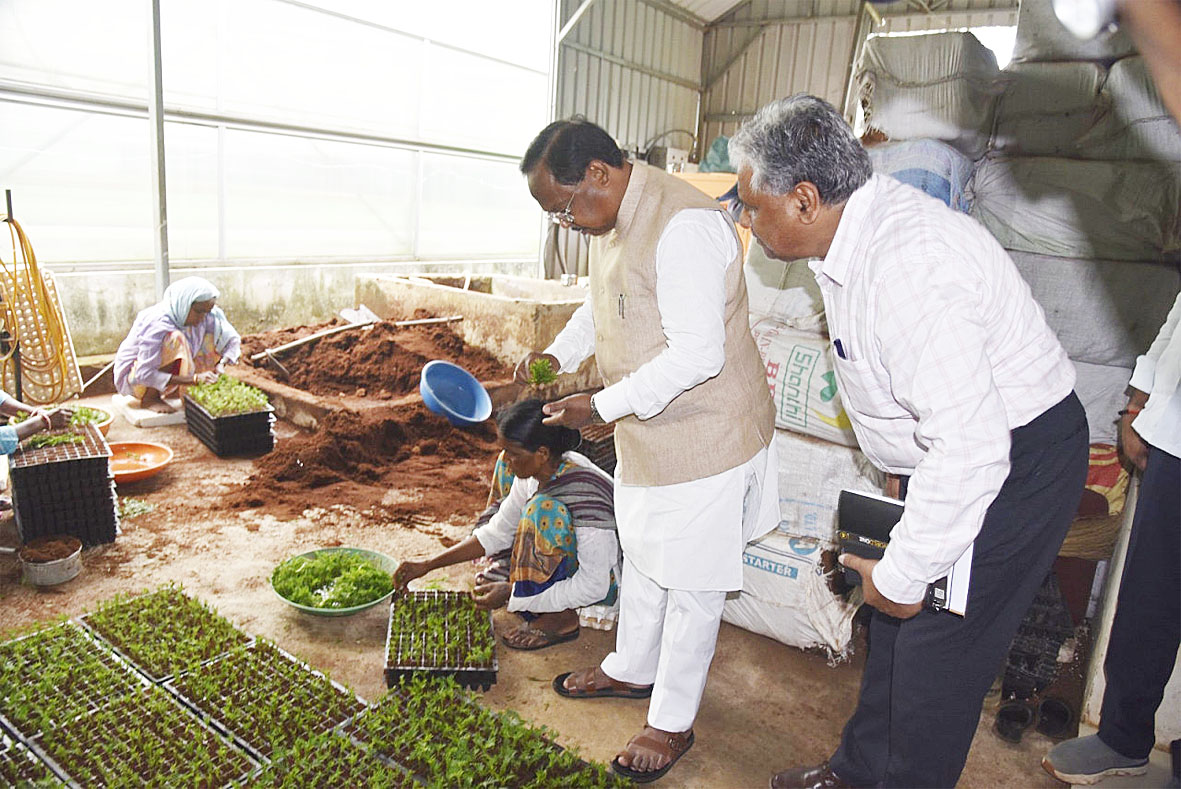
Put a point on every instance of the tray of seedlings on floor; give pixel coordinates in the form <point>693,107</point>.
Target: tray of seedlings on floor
<point>56,673</point>
<point>264,698</point>
<point>598,445</point>
<point>62,484</point>
<point>163,632</point>
<point>230,417</point>
<point>19,766</point>
<point>330,760</point>
<point>440,634</point>
<point>438,732</point>
<point>144,738</point>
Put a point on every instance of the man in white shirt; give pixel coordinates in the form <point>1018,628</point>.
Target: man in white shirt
<point>667,321</point>
<point>952,380</point>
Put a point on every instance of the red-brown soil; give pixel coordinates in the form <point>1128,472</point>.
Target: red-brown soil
<point>49,549</point>
<point>400,461</point>
<point>381,360</point>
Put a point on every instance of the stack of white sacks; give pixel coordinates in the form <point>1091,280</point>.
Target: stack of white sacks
<point>1069,158</point>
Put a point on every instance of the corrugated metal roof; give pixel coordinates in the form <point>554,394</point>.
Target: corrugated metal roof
<point>709,10</point>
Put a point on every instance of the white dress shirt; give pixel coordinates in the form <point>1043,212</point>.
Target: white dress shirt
<point>940,351</point>
<point>689,535</point>
<point>598,550</point>
<point>1158,372</point>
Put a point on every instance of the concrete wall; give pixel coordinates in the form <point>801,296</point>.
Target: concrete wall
<point>101,305</point>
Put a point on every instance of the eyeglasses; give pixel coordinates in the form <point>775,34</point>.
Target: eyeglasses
<point>563,217</point>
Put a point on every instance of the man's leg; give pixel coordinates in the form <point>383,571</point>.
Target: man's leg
<point>1147,627</point>
<point>686,650</point>
<point>642,605</point>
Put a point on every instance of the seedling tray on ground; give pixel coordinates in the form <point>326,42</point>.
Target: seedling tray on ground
<point>436,731</point>
<point>440,634</point>
<point>331,760</point>
<point>19,766</point>
<point>54,674</point>
<point>235,434</point>
<point>143,739</point>
<point>163,632</point>
<point>65,489</point>
<point>598,445</point>
<point>265,698</point>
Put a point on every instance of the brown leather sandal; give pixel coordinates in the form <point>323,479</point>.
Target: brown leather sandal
<point>588,686</point>
<point>527,638</point>
<point>671,745</point>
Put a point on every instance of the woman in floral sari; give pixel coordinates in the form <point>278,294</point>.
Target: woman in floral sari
<point>552,515</point>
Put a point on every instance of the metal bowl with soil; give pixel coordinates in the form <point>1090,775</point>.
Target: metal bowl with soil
<point>48,561</point>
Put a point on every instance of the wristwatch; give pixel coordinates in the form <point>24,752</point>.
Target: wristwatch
<point>596,417</point>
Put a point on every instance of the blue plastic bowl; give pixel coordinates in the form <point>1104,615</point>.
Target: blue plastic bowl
<point>452,392</point>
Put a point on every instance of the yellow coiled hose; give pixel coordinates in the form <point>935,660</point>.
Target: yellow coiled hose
<point>42,336</point>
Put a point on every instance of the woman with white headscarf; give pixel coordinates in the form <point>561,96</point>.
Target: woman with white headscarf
<point>182,340</point>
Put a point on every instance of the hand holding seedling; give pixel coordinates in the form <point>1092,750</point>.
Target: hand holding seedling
<point>491,595</point>
<point>524,370</point>
<point>408,571</point>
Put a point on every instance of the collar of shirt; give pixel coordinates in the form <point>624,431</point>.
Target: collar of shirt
<point>849,243</point>
<point>631,200</point>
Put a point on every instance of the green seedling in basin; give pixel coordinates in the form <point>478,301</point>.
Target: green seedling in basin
<point>331,580</point>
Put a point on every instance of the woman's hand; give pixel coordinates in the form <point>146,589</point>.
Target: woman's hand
<point>207,377</point>
<point>492,595</point>
<point>408,571</point>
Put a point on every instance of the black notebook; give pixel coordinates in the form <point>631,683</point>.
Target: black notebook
<point>864,523</point>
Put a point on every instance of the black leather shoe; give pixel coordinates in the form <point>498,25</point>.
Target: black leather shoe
<point>817,777</point>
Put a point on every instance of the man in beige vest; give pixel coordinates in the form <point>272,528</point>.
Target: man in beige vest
<point>667,321</point>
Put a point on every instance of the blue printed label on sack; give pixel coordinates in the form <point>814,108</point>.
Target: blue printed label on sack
<point>795,378</point>
<point>770,565</point>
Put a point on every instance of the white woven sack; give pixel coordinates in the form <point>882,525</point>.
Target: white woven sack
<point>783,291</point>
<point>1137,125</point>
<point>1104,312</point>
<point>929,165</point>
<point>785,596</point>
<point>1080,209</point>
<point>812,474</point>
<point>803,385</point>
<point>1047,108</point>
<point>1102,389</point>
<point>940,86</point>
<point>1041,37</point>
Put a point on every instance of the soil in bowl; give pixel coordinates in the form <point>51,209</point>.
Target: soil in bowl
<point>49,549</point>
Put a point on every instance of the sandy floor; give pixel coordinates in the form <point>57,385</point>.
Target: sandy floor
<point>768,706</point>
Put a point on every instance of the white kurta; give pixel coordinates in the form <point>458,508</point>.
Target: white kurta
<point>598,551</point>
<point>690,535</point>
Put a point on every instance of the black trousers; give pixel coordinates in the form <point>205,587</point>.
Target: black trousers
<point>925,677</point>
<point>1147,627</point>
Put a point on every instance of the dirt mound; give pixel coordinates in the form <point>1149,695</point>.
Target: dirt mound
<point>400,461</point>
<point>380,361</point>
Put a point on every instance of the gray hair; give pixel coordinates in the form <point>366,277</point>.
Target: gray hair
<point>801,138</point>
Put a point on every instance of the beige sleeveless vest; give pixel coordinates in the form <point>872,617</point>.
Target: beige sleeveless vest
<point>718,424</point>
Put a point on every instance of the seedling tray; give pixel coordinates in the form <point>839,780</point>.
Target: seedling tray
<point>440,634</point>
<point>438,732</point>
<point>598,445</point>
<point>19,766</point>
<point>265,698</point>
<point>56,673</point>
<point>331,760</point>
<point>145,738</point>
<point>65,489</point>
<point>163,632</point>
<point>235,434</point>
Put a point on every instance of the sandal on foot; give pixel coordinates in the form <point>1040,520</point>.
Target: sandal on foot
<point>591,689</point>
<point>671,745</point>
<point>537,639</point>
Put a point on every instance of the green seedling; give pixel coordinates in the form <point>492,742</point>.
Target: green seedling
<point>331,580</point>
<point>52,440</point>
<point>541,372</point>
<point>228,396</point>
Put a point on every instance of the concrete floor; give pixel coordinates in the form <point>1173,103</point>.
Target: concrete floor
<point>767,706</point>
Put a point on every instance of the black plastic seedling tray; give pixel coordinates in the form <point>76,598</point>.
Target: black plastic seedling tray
<point>235,434</point>
<point>398,668</point>
<point>65,489</point>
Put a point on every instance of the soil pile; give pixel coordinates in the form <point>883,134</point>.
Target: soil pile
<point>398,462</point>
<point>380,361</point>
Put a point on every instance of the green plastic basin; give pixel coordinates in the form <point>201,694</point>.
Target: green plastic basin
<point>385,563</point>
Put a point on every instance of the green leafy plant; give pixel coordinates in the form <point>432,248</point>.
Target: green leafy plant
<point>541,372</point>
<point>19,767</point>
<point>131,507</point>
<point>166,631</point>
<point>83,415</point>
<point>331,760</point>
<point>53,439</point>
<point>331,579</point>
<point>228,396</point>
<point>439,630</point>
